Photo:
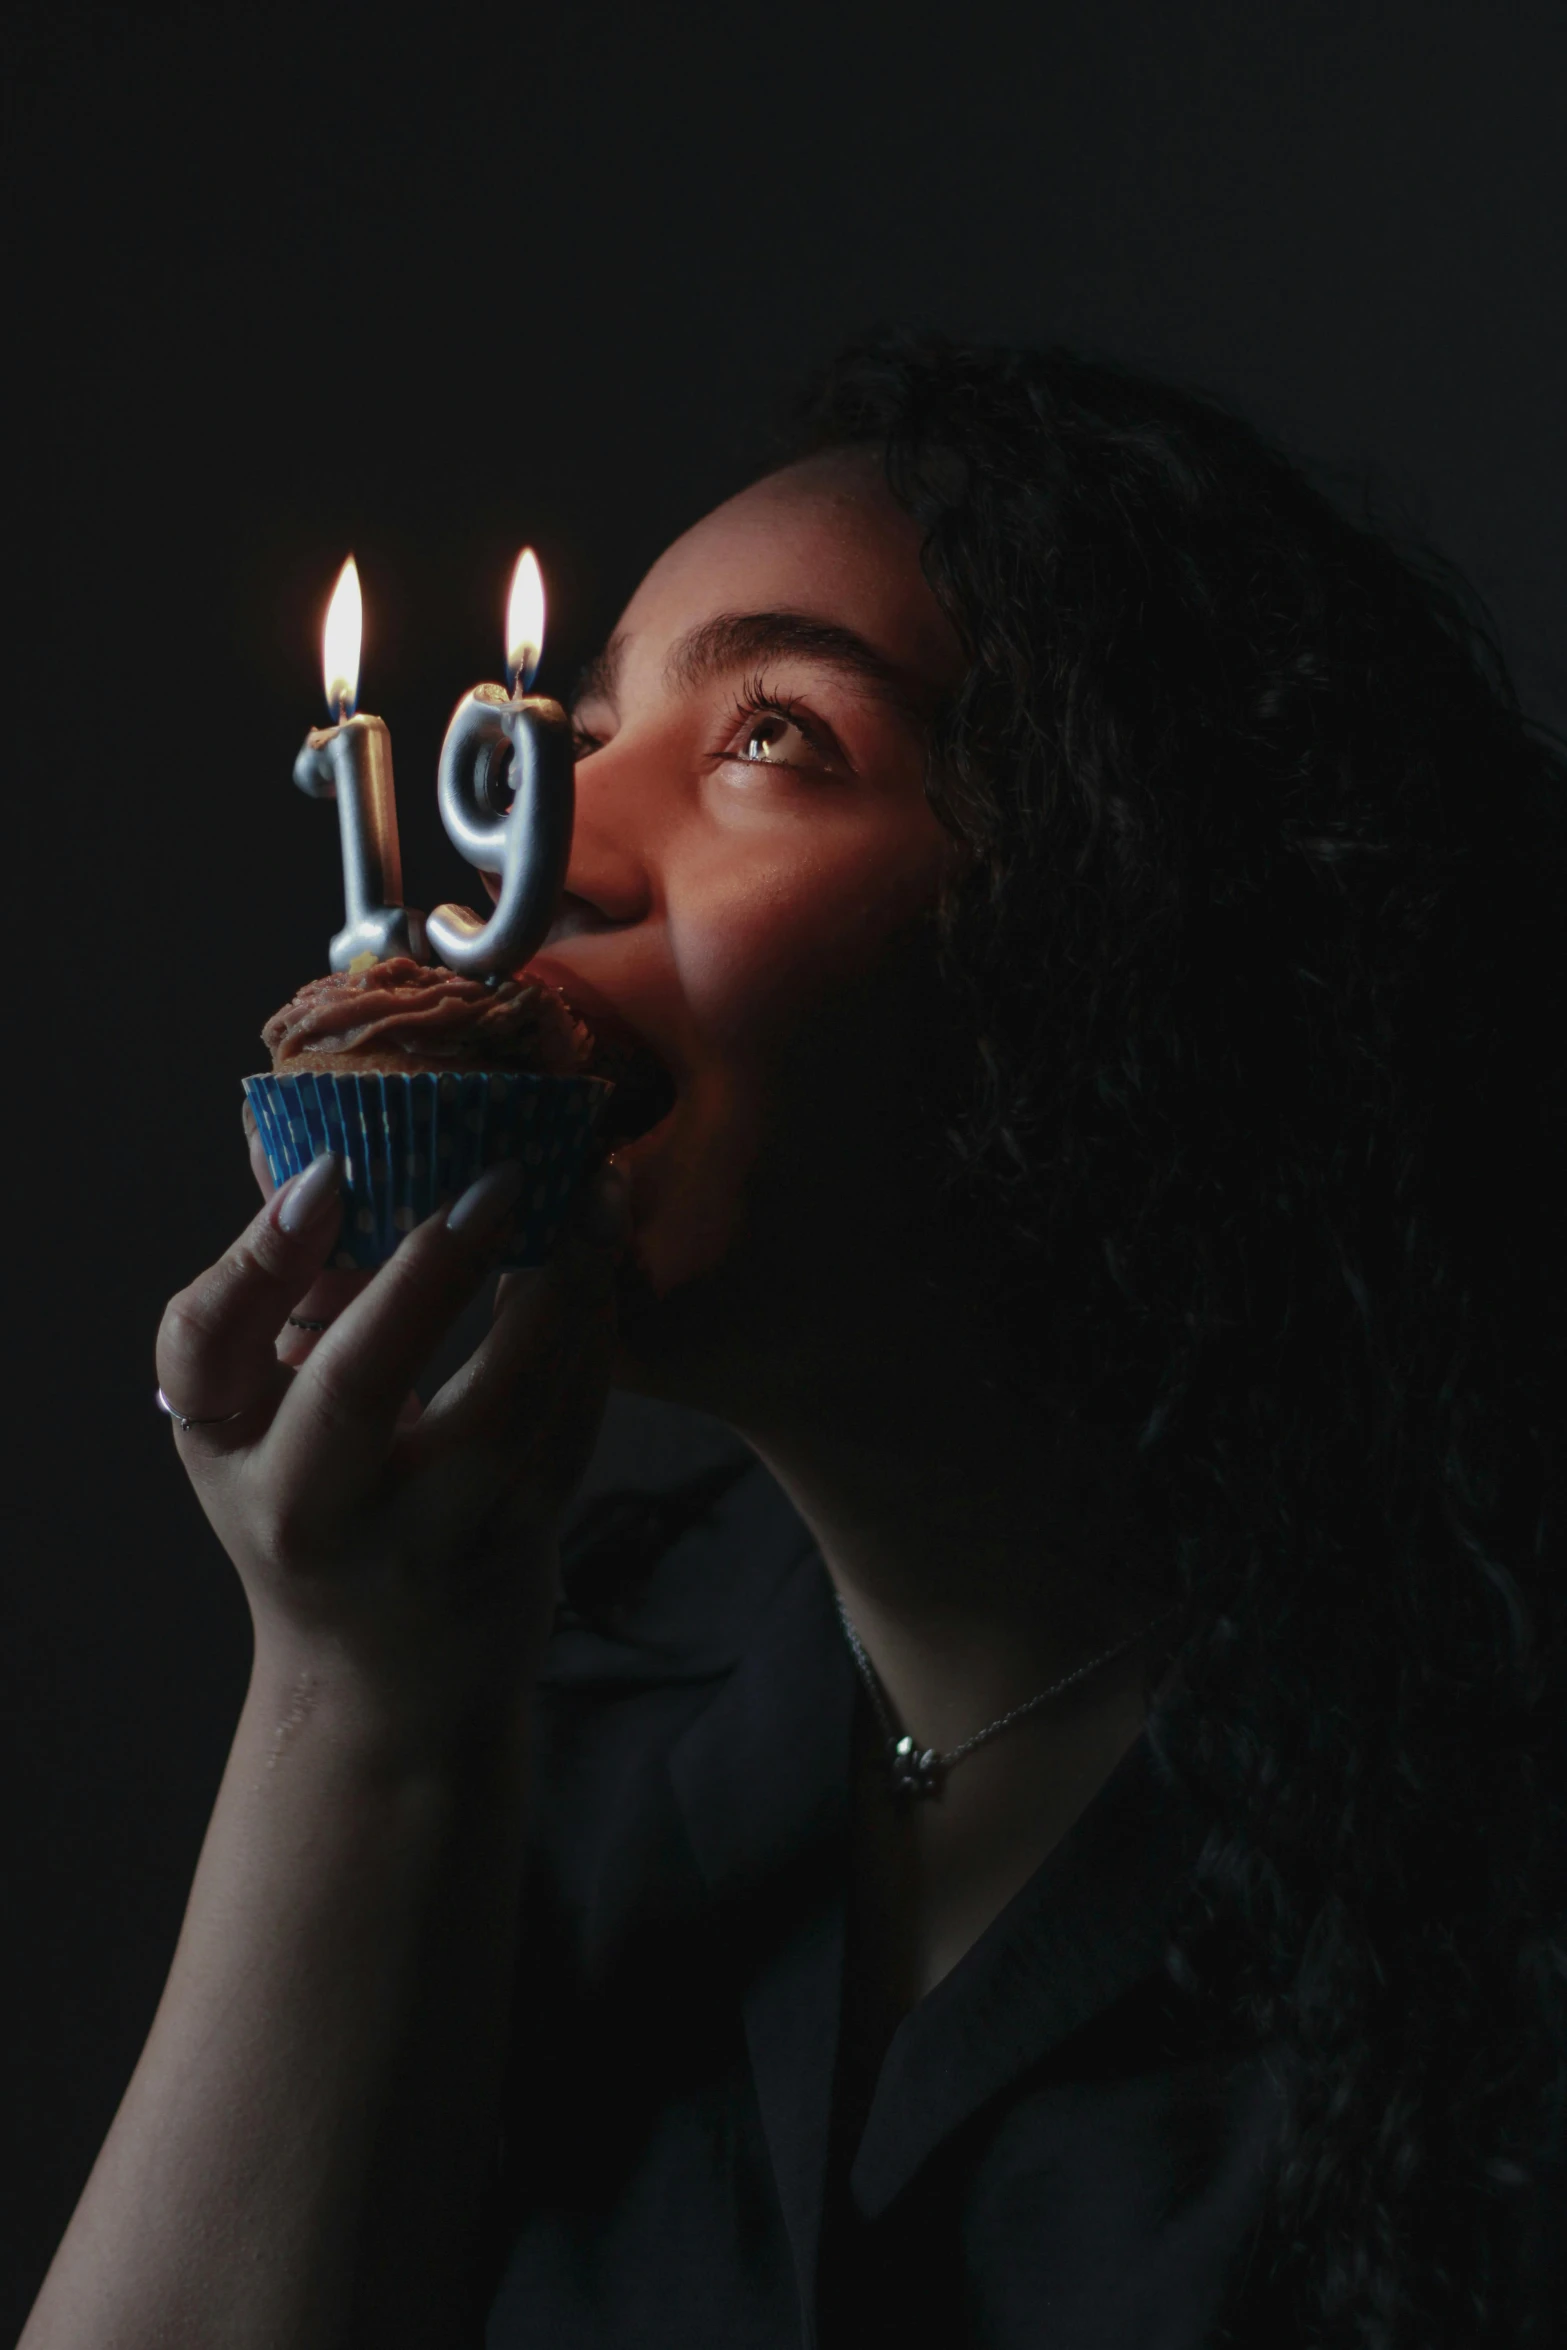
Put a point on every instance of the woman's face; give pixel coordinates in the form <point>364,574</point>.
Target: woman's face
<point>752,859</point>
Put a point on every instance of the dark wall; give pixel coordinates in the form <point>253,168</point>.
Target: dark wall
<point>281,286</point>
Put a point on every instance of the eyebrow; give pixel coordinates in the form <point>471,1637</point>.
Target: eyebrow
<point>599,679</point>
<point>734,640</point>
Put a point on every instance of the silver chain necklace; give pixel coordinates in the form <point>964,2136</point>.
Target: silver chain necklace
<point>917,1771</point>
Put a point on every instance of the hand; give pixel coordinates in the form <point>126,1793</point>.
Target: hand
<point>327,1295</point>
<point>419,1556</point>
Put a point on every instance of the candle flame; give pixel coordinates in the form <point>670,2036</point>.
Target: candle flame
<point>524,621</point>
<point>340,642</point>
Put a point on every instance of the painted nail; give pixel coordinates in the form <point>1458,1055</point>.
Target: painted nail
<point>304,1199</point>
<point>484,1206</point>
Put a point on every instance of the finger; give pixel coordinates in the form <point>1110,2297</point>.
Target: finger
<point>316,1311</point>
<point>601,1213</point>
<point>339,1421</point>
<point>538,1315</point>
<point>601,1216</point>
<point>557,1455</point>
<point>538,1471</point>
<point>215,1352</point>
<point>545,1357</point>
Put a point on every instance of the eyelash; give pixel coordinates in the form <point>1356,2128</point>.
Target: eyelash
<point>755,700</point>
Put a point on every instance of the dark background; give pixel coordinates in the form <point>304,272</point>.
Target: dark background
<point>278,287</point>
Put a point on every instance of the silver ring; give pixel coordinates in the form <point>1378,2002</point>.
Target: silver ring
<point>299,1322</point>
<point>188,1419</point>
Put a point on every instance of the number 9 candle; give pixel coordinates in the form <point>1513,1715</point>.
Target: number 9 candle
<point>507,799</point>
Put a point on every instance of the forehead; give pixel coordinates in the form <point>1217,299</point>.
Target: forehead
<point>824,539</point>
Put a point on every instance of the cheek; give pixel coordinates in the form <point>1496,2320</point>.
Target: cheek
<point>758,942</point>
<point>769,950</point>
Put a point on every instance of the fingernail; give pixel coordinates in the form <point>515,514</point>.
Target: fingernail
<point>483,1207</point>
<point>305,1197</point>
<point>606,1213</point>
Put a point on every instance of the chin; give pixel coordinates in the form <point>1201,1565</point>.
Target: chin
<point>674,1281</point>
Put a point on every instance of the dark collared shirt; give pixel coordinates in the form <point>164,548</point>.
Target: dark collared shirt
<point>1046,2157</point>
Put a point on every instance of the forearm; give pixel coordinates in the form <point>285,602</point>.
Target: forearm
<point>302,2152</point>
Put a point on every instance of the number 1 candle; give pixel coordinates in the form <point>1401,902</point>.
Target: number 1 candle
<point>351,762</point>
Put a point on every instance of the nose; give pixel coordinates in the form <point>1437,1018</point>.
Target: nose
<point>575,915</point>
<point>609,882</point>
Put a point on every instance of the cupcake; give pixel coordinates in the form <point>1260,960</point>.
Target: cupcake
<point>420,1079</point>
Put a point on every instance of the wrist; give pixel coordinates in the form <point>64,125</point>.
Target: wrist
<point>442,1712</point>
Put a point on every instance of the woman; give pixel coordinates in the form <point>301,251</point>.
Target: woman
<point>1093,905</point>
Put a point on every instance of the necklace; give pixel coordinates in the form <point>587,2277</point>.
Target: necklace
<point>917,1771</point>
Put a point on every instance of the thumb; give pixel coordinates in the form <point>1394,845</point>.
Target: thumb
<point>508,1437</point>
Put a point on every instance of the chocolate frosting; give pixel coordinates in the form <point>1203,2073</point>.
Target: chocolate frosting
<point>410,1017</point>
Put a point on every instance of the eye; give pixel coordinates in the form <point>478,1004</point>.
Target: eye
<point>772,735</point>
<point>583,744</point>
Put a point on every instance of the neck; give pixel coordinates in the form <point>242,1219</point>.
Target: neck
<point>984,1548</point>
<point>983,1551</point>
<point>979,1538</point>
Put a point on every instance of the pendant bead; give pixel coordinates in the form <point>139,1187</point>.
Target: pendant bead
<point>915,1772</point>
<point>919,1770</point>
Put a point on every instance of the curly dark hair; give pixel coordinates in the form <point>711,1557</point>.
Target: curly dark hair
<point>1257,953</point>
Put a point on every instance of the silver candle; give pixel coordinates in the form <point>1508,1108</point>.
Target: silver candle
<point>351,762</point>
<point>507,799</point>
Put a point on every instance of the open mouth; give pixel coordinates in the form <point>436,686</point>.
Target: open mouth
<point>645,1089</point>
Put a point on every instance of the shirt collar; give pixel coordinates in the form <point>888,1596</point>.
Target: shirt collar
<point>761,1778</point>
<point>1089,1925</point>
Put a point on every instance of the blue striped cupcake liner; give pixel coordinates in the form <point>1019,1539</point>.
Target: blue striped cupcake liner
<point>409,1145</point>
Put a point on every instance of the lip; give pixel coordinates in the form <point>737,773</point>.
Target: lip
<point>609,1026</point>
<point>606,1019</point>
